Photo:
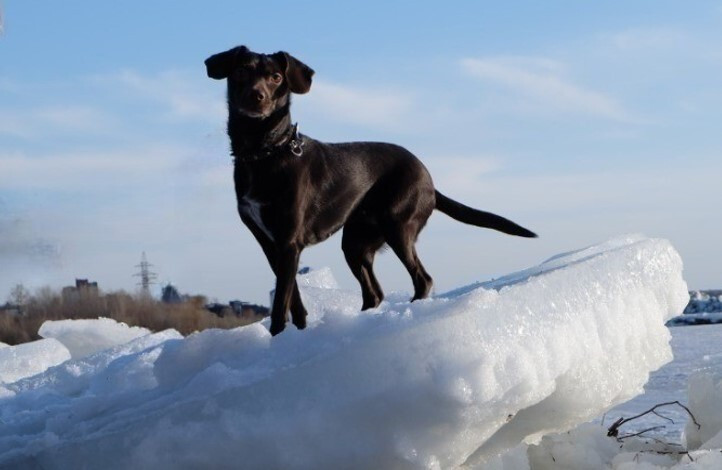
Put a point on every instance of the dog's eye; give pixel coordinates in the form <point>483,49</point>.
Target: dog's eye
<point>277,77</point>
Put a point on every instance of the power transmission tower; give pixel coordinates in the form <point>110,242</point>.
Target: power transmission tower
<point>147,277</point>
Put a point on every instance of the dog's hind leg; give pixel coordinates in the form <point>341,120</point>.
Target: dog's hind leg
<point>405,202</point>
<point>402,242</point>
<point>360,243</point>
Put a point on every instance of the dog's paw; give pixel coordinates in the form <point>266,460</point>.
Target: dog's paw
<point>276,328</point>
<point>300,323</point>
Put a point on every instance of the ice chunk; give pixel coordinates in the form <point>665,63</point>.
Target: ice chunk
<point>705,392</point>
<point>27,359</point>
<point>105,372</point>
<point>320,292</point>
<point>588,447</point>
<point>322,278</point>
<point>85,337</point>
<point>437,383</point>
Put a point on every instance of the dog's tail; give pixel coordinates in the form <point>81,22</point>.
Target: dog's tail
<point>468,215</point>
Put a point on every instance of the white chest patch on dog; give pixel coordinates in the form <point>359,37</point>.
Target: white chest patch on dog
<point>252,209</point>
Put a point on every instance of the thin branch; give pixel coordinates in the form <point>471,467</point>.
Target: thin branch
<point>664,417</point>
<point>668,452</point>
<point>613,430</point>
<point>654,428</point>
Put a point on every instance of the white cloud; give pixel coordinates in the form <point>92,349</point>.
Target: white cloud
<point>543,82</point>
<point>375,107</point>
<point>11,124</point>
<point>76,118</point>
<point>462,175</point>
<point>184,96</point>
<point>20,243</point>
<point>647,38</point>
<point>8,85</point>
<point>47,120</point>
<point>87,169</point>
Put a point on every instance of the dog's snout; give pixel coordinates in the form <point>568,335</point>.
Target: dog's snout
<point>259,95</point>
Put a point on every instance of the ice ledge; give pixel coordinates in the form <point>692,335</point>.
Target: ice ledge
<point>434,384</point>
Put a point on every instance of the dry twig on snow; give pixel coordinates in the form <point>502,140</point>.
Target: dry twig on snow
<point>613,430</point>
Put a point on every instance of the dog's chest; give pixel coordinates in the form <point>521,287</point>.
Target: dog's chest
<point>251,209</point>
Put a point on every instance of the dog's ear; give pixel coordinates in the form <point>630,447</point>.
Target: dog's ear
<point>220,65</point>
<point>298,75</point>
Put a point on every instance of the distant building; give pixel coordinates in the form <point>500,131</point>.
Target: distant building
<point>237,308</point>
<point>82,289</point>
<point>245,309</point>
<point>170,295</point>
<point>219,309</point>
<point>11,309</point>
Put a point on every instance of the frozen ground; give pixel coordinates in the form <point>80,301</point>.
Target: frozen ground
<point>453,381</point>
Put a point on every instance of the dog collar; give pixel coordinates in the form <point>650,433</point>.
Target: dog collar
<point>294,144</point>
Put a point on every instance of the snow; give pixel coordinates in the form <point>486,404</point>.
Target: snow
<point>85,337</point>
<point>468,377</point>
<point>25,360</point>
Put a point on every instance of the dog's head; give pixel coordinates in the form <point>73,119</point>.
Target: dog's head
<point>259,84</point>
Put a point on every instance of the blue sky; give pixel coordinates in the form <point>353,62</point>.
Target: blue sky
<point>579,120</point>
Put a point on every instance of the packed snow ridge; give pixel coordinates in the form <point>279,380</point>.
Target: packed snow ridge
<point>456,380</point>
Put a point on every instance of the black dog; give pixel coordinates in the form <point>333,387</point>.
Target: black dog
<point>294,191</point>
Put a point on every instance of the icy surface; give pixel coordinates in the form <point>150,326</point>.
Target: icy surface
<point>696,349</point>
<point>24,360</point>
<point>86,337</point>
<point>321,278</point>
<point>434,384</point>
<point>705,392</point>
<point>588,447</point>
<point>697,365</point>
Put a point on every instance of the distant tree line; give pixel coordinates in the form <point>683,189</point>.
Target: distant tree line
<point>24,312</point>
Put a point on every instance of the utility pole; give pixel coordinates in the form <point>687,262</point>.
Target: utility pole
<point>147,277</point>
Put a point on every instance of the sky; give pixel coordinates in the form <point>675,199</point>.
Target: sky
<point>579,120</point>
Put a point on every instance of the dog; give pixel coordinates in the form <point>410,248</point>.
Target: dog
<point>294,191</point>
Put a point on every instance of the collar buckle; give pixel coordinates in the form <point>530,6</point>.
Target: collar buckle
<point>296,143</point>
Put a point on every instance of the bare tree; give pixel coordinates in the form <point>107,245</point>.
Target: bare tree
<point>19,295</point>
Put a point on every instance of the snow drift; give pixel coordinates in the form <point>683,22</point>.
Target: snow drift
<point>85,337</point>
<point>25,360</point>
<point>454,380</point>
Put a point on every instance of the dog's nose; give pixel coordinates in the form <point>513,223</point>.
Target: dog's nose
<point>260,96</point>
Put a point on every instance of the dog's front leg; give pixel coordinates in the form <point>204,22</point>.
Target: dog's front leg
<point>298,311</point>
<point>286,268</point>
